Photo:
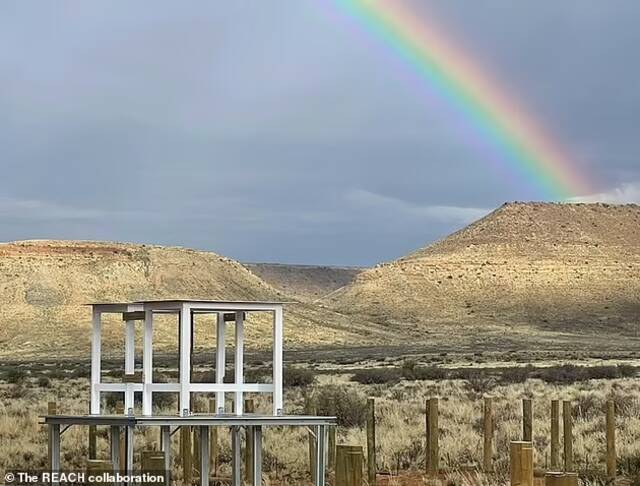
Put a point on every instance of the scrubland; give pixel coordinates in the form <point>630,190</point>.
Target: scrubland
<point>400,402</point>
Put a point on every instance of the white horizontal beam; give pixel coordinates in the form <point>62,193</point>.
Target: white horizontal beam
<point>117,387</point>
<point>164,387</point>
<point>202,307</point>
<point>232,387</point>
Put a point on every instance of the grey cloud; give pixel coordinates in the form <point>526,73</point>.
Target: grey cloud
<point>280,131</point>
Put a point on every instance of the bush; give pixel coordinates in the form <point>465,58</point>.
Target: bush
<point>516,374</point>
<point>568,374</point>
<point>44,382</point>
<point>429,373</point>
<point>298,377</point>
<point>16,376</point>
<point>82,372</point>
<point>627,371</point>
<point>348,406</point>
<point>480,381</point>
<point>377,376</point>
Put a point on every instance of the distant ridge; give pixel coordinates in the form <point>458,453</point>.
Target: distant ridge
<point>533,267</point>
<point>306,282</point>
<point>44,284</point>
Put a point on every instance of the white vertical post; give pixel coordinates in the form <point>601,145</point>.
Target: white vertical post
<point>185,360</point>
<point>55,448</point>
<point>278,338</point>
<point>95,361</point>
<point>220,361</point>
<point>147,363</point>
<point>320,431</point>
<point>129,398</point>
<point>129,347</point>
<point>129,361</point>
<point>239,362</point>
<point>204,455</point>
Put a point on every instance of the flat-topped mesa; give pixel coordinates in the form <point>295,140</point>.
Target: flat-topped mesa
<point>527,226</point>
<point>545,267</point>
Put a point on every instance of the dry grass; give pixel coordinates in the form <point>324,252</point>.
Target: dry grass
<point>400,426</point>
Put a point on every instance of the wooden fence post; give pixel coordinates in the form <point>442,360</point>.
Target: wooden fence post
<point>555,435</point>
<point>521,459</point>
<point>527,420</point>
<point>487,462</point>
<point>185,452</point>
<point>567,421</point>
<point>348,465</point>
<point>611,439</point>
<point>433,451</point>
<point>249,407</point>
<point>371,441</point>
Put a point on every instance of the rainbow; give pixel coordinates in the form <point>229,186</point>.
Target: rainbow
<point>516,141</point>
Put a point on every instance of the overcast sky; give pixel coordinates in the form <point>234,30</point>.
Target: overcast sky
<point>277,131</point>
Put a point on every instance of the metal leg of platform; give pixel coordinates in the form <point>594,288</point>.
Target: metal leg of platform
<point>54,445</point>
<point>236,479</point>
<point>204,455</point>
<point>320,432</point>
<point>115,448</point>
<point>128,447</point>
<point>165,437</point>
<point>257,455</point>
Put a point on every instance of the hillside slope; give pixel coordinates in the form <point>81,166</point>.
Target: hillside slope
<point>306,282</point>
<point>44,284</point>
<point>525,269</point>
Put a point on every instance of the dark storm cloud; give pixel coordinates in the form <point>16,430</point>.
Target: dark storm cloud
<point>278,131</point>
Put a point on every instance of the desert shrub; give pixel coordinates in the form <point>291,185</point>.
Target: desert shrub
<point>347,405</point>
<point>81,372</point>
<point>44,382</point>
<point>627,371</point>
<point>165,401</point>
<point>58,374</point>
<point>16,376</point>
<point>258,375</point>
<point>377,376</point>
<point>479,381</point>
<point>516,374</point>
<point>298,377</point>
<point>111,399</point>
<point>429,373</point>
<point>568,374</point>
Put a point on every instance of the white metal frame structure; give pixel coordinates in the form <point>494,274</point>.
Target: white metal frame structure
<point>186,310</point>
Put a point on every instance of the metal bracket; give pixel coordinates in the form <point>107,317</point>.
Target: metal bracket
<point>65,429</point>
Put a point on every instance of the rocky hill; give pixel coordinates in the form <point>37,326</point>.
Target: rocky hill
<point>306,282</point>
<point>527,269</point>
<point>44,284</point>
